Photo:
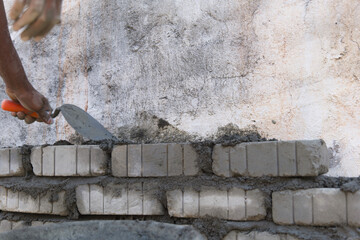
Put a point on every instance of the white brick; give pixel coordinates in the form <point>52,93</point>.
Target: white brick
<point>65,160</point>
<point>353,208</point>
<point>282,207</point>
<point>152,206</point>
<point>237,204</point>
<point>135,199</point>
<point>45,205</point>
<point>329,207</point>
<point>96,199</point>
<point>262,159</point>
<point>98,161</point>
<point>191,203</point>
<point>191,167</point>
<point>154,160</point>
<point>213,203</point>
<point>238,161</point>
<point>175,203</point>
<point>83,199</point>
<point>28,204</point>
<point>221,161</point>
<point>83,161</point>
<point>231,236</point>
<point>312,157</point>
<point>318,207</point>
<point>59,206</point>
<point>287,158</point>
<point>48,161</point>
<point>5,226</point>
<point>266,236</point>
<point>255,205</point>
<point>175,159</point>
<point>16,167</point>
<point>115,199</point>
<point>303,207</point>
<point>12,200</point>
<point>3,197</point>
<point>19,225</point>
<point>254,235</point>
<point>134,160</point>
<point>36,160</point>
<point>4,162</point>
<point>119,161</point>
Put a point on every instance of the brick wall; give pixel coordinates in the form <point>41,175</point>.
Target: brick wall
<point>263,190</point>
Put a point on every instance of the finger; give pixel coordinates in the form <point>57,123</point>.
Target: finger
<point>33,12</point>
<point>39,120</point>
<point>17,9</point>
<point>44,23</point>
<point>21,115</point>
<point>45,112</point>
<point>13,114</point>
<point>42,34</point>
<point>29,119</point>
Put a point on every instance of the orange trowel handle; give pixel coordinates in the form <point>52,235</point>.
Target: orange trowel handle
<point>11,106</point>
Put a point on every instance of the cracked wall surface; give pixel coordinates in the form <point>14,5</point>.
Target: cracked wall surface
<point>288,68</point>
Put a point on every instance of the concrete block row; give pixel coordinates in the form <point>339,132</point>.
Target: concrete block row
<point>15,201</point>
<point>234,204</point>
<point>283,158</point>
<point>6,225</point>
<point>118,199</point>
<point>254,235</point>
<point>11,162</point>
<point>154,160</point>
<point>316,207</point>
<point>68,161</point>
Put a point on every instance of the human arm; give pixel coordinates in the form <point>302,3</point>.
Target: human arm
<point>12,72</point>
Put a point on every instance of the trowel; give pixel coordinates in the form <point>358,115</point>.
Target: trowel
<point>80,120</point>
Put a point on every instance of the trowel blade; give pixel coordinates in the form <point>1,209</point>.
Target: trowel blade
<point>85,124</point>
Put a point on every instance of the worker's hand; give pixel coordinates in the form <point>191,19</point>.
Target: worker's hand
<point>33,101</point>
<point>38,16</point>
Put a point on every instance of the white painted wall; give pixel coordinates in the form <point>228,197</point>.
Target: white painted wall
<point>201,64</point>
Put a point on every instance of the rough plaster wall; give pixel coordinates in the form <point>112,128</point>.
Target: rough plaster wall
<point>290,68</point>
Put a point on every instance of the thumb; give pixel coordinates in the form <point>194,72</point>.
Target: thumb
<point>45,112</point>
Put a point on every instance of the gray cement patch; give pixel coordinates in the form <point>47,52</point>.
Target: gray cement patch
<point>109,230</point>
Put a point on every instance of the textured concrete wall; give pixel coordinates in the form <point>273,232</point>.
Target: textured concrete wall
<point>290,68</point>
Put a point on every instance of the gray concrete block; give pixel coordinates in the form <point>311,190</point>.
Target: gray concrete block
<point>36,160</point>
<point>83,161</point>
<point>96,200</point>
<point>135,160</point>
<point>312,157</point>
<point>221,160</point>
<point>154,160</point>
<point>175,159</point>
<point>4,162</point>
<point>329,207</point>
<point>98,161</point>
<point>282,207</point>
<point>213,203</point>
<point>83,199</point>
<point>238,160</point>
<point>353,210</point>
<point>48,161</point>
<point>5,226</point>
<point>287,158</point>
<point>255,205</point>
<point>65,160</point>
<point>191,167</point>
<point>262,159</point>
<point>119,161</point>
<point>236,198</point>
<point>303,209</point>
